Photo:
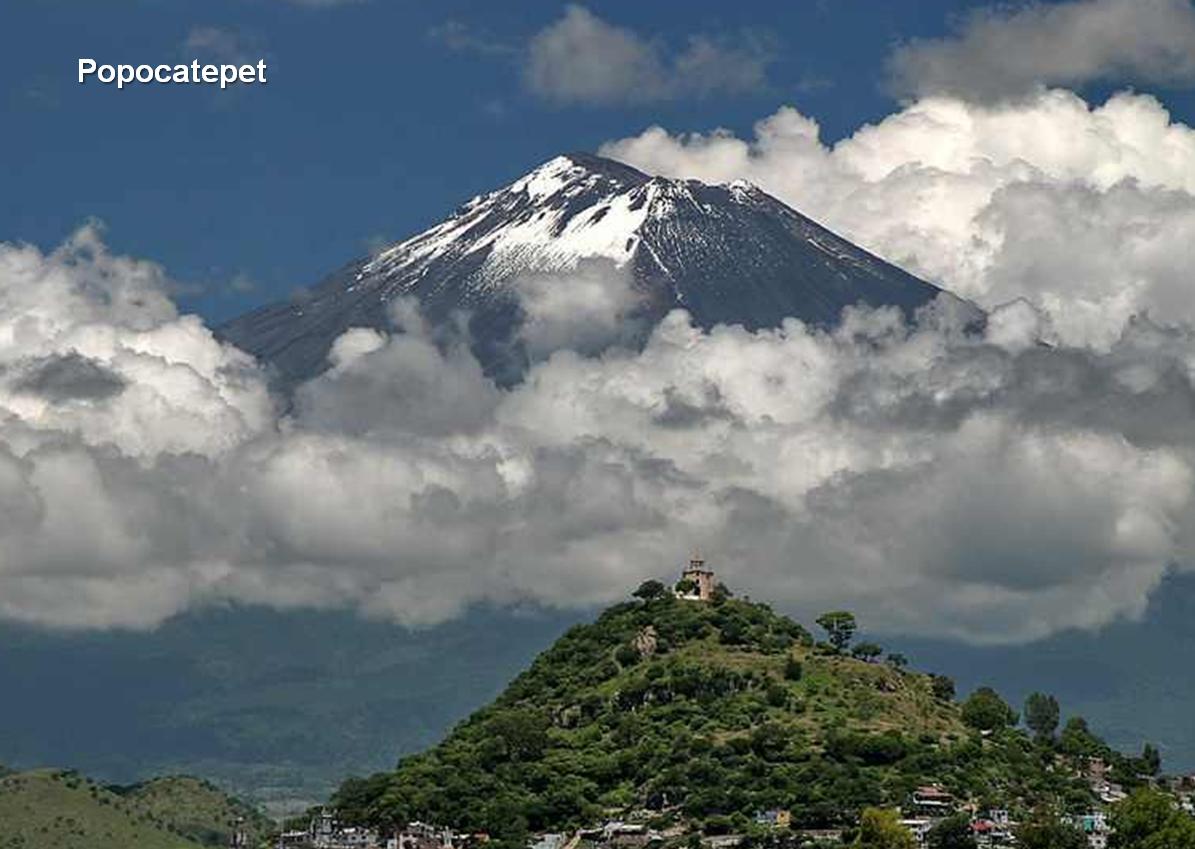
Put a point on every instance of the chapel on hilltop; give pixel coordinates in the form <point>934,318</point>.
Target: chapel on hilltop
<point>696,582</point>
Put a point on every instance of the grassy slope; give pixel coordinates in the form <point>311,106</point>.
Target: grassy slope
<point>49,809</point>
<point>833,692</point>
<point>196,808</point>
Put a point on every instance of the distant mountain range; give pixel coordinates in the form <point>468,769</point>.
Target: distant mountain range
<point>273,705</point>
<point>728,254</point>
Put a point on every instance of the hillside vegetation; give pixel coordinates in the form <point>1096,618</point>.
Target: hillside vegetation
<point>706,713</point>
<point>57,809</point>
<point>196,809</point>
<point>50,809</point>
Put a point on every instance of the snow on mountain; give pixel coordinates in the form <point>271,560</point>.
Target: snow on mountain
<point>728,254</point>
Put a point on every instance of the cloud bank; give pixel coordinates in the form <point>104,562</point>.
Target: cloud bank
<point>984,487</point>
<point>996,486</point>
<point>1007,52</point>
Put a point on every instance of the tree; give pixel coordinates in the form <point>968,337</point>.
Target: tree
<point>651,590</point>
<point>1149,820</point>
<point>943,687</point>
<point>952,833</point>
<point>984,710</point>
<point>777,695</point>
<point>1077,739</point>
<point>1041,715</point>
<point>793,669</point>
<point>840,627</point>
<point>523,732</point>
<point>355,796</point>
<point>686,586</point>
<point>626,655</point>
<point>1051,834</point>
<point>880,828</point>
<point>1151,759</point>
<point>867,651</point>
<point>897,660</point>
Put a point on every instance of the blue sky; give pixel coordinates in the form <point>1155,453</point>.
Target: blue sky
<point>375,122</point>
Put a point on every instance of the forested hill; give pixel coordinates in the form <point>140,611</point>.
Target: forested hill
<point>705,713</point>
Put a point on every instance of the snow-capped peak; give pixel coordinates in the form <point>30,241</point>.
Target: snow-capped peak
<point>728,254</point>
<point>570,208</point>
<point>573,173</point>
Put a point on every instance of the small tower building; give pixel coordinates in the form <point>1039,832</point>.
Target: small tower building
<point>238,838</point>
<point>700,581</point>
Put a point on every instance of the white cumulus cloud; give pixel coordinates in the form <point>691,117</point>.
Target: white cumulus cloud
<point>581,58</point>
<point>1007,51</point>
<point>586,309</point>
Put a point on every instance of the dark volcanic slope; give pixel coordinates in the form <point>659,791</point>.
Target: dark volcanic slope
<point>728,254</point>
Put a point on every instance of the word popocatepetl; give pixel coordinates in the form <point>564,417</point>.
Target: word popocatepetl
<point>195,73</point>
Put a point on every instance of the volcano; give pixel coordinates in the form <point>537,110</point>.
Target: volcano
<point>729,254</point>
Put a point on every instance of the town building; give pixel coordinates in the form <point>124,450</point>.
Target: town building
<point>1095,826</point>
<point>932,801</point>
<point>324,831</point>
<point>420,835</point>
<point>239,837</point>
<point>774,818</point>
<point>995,829</point>
<point>919,827</point>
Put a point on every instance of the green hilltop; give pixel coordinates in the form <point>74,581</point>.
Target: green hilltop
<point>196,809</point>
<point>59,809</point>
<point>700,714</point>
